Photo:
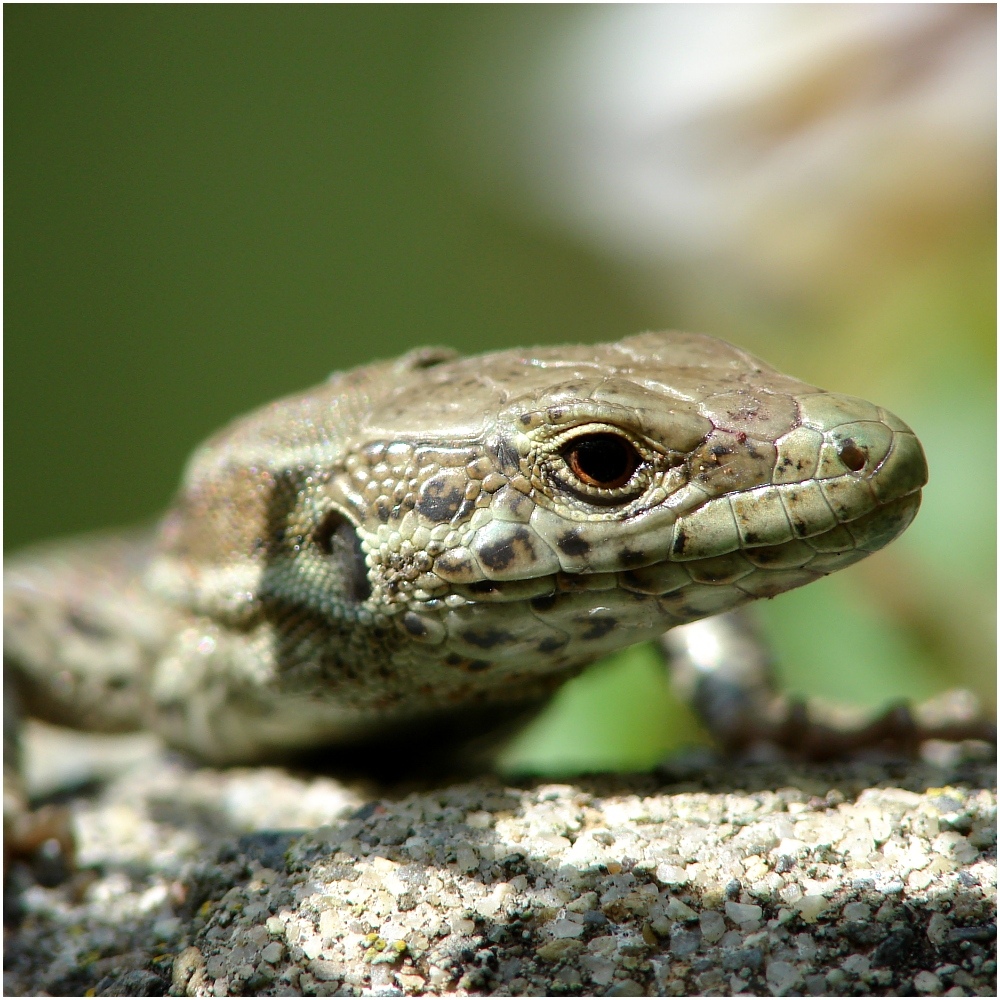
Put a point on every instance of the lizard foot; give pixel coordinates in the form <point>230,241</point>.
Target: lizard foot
<point>816,730</point>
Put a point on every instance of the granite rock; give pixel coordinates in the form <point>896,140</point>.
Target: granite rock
<point>855,879</point>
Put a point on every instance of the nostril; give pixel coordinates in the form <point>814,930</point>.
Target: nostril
<point>851,455</point>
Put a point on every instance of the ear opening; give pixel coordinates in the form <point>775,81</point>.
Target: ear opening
<point>337,538</point>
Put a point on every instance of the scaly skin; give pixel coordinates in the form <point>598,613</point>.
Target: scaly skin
<point>414,536</point>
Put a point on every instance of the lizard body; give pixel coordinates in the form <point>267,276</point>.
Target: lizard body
<point>439,534</point>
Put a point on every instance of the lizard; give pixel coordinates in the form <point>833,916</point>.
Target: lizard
<point>436,543</point>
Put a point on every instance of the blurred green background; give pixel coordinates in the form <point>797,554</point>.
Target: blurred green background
<point>208,207</point>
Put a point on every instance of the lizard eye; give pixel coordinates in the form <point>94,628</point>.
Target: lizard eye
<point>602,461</point>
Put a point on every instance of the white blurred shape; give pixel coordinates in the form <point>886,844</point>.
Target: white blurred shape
<point>771,139</point>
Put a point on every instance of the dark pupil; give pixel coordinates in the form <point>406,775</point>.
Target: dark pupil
<point>603,460</point>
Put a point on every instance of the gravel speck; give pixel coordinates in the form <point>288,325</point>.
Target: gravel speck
<point>927,984</point>
<point>856,879</point>
<point>743,913</point>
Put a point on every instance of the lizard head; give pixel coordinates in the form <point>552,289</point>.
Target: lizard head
<point>534,509</point>
<point>620,490</point>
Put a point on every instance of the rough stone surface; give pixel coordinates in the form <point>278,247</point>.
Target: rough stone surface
<point>766,880</point>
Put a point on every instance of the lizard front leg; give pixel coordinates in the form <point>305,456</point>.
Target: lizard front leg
<point>723,668</point>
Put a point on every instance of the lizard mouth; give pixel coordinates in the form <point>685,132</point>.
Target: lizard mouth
<point>566,618</point>
<point>761,570</point>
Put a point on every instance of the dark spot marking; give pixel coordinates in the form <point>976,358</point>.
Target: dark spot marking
<point>799,525</point>
<point>476,665</point>
<point>454,660</point>
<point>752,538</point>
<point>337,539</point>
<point>544,602</point>
<point>525,419</point>
<point>414,624</point>
<point>551,644</point>
<point>440,499</point>
<point>500,554</point>
<point>679,542</point>
<point>573,545</point>
<point>597,628</point>
<point>488,638</point>
<point>382,512</point>
<point>720,450</point>
<point>851,455</point>
<point>483,587</point>
<point>451,562</point>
